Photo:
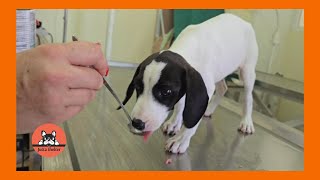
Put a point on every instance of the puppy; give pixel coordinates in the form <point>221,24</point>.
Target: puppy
<point>185,77</point>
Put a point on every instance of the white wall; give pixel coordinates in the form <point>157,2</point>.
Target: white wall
<point>288,58</point>
<point>52,20</point>
<point>288,55</point>
<point>134,33</point>
<point>132,36</point>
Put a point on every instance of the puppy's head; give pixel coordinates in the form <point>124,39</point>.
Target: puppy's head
<point>160,82</point>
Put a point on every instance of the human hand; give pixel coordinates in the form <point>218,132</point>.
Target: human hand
<point>55,82</point>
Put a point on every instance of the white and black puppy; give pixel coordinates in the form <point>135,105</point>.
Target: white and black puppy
<point>185,77</point>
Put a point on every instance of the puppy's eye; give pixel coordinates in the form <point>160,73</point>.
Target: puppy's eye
<point>166,92</point>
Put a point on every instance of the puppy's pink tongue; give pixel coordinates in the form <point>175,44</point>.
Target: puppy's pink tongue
<point>146,136</point>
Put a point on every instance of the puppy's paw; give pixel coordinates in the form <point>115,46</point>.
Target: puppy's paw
<point>171,127</point>
<point>246,126</point>
<point>208,112</point>
<point>177,144</point>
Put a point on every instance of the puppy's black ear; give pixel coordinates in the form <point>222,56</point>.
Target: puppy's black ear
<point>196,98</point>
<point>130,88</point>
<point>53,133</point>
<point>139,70</point>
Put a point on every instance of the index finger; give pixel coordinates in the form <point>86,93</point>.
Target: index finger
<point>86,54</point>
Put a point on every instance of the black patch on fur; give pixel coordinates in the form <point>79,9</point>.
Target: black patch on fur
<point>172,78</point>
<point>183,80</point>
<point>196,98</point>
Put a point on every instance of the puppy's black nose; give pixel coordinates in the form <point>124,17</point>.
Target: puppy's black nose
<point>138,124</point>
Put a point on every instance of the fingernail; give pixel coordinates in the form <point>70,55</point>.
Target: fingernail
<point>107,71</point>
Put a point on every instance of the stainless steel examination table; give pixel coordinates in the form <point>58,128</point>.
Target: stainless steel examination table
<point>98,139</point>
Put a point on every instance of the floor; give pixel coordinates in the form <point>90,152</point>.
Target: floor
<point>98,139</point>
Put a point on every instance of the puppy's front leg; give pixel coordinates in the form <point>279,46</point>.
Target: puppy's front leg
<point>173,125</point>
<point>180,142</point>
